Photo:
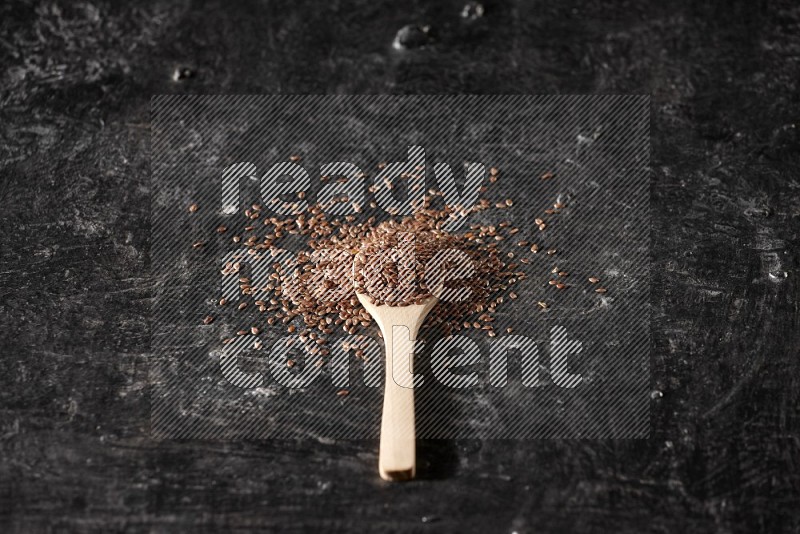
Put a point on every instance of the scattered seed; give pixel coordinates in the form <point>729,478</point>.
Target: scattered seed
<point>290,301</point>
<point>559,285</point>
<point>342,393</point>
<point>600,290</point>
<point>547,175</point>
<point>594,279</point>
<point>208,320</point>
<point>193,208</point>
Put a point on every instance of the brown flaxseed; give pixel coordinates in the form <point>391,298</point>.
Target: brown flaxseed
<point>316,291</point>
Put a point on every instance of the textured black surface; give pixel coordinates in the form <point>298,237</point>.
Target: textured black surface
<point>75,293</point>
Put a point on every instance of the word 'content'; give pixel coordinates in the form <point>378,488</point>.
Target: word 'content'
<point>455,361</point>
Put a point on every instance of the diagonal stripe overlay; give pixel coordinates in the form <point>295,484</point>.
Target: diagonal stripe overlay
<point>566,363</point>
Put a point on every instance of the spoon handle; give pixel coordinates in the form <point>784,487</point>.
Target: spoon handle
<point>399,326</point>
<point>398,435</point>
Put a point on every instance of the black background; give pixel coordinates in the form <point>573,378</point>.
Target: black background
<point>75,292</point>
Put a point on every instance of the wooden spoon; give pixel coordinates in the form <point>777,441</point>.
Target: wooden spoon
<point>397,459</point>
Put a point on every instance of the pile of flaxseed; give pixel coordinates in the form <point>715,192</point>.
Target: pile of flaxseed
<point>399,261</point>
